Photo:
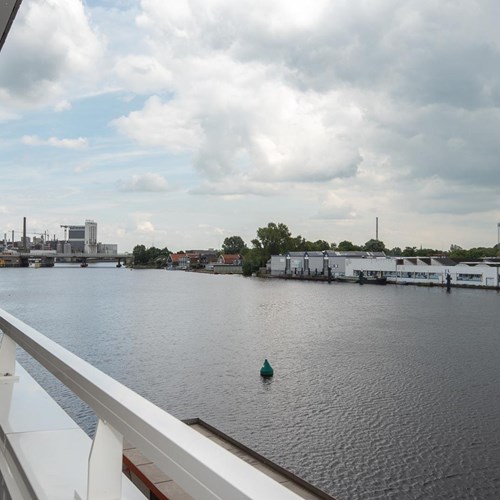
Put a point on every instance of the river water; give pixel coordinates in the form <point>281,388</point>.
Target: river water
<point>379,392</point>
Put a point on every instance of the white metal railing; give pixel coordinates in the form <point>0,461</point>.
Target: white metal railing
<point>199,466</point>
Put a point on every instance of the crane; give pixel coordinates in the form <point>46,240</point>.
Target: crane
<point>31,232</point>
<point>44,235</point>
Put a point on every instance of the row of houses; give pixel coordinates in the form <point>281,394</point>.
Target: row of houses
<point>420,270</point>
<point>209,260</point>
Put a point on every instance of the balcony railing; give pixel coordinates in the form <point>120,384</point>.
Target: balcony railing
<point>196,464</point>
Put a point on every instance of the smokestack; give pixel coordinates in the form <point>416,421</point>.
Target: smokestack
<point>24,234</point>
<point>376,228</point>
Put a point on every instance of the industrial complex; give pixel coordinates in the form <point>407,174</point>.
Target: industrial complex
<point>79,244</point>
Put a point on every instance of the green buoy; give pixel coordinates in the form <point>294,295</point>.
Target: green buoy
<point>266,370</point>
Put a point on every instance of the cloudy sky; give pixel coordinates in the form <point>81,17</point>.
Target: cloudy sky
<point>179,123</point>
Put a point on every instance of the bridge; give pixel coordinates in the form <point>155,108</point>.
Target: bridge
<point>44,454</point>
<point>47,258</point>
<point>67,256</point>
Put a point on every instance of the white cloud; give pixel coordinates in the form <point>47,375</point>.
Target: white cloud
<point>236,186</point>
<point>145,227</point>
<point>366,103</point>
<point>62,106</point>
<point>82,167</point>
<point>34,140</point>
<point>249,124</point>
<point>329,112</point>
<point>51,51</point>
<point>148,182</point>
<point>166,125</point>
<point>7,115</point>
<point>143,74</point>
<point>336,207</point>
<point>209,229</point>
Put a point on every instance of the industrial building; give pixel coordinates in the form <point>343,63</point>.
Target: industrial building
<point>83,239</point>
<point>399,270</point>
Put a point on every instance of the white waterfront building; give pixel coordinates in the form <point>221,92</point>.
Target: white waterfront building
<point>427,270</point>
<point>418,270</point>
<point>315,263</point>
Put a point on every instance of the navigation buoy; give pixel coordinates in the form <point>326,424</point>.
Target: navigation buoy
<point>266,370</point>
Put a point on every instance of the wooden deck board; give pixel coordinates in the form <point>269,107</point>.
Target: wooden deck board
<point>149,478</point>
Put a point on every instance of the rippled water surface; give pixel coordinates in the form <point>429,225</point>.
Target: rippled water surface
<point>379,392</point>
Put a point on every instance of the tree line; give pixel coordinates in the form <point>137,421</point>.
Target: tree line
<point>150,257</point>
<point>276,238</point>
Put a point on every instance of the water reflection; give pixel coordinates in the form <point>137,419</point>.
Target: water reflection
<point>266,382</point>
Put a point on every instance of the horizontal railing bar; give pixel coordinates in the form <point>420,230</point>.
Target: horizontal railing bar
<point>199,466</point>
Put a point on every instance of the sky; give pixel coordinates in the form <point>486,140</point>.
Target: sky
<point>178,124</point>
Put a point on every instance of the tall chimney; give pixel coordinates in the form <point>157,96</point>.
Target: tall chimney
<point>24,245</point>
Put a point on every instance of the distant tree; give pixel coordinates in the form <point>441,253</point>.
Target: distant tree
<point>477,253</point>
<point>319,246</point>
<point>139,253</point>
<point>252,260</point>
<point>347,246</point>
<point>256,244</point>
<point>297,244</point>
<point>410,252</point>
<point>458,253</point>
<point>274,239</point>
<point>233,244</point>
<point>374,246</point>
<point>396,252</point>
<point>429,252</point>
<point>152,254</point>
<point>151,257</point>
<point>489,252</point>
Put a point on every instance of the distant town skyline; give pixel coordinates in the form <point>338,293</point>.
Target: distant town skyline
<point>15,239</point>
<point>179,124</point>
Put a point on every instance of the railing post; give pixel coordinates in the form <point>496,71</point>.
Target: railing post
<point>7,356</point>
<point>105,464</point>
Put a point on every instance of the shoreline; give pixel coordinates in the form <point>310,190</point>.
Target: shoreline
<point>325,279</point>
